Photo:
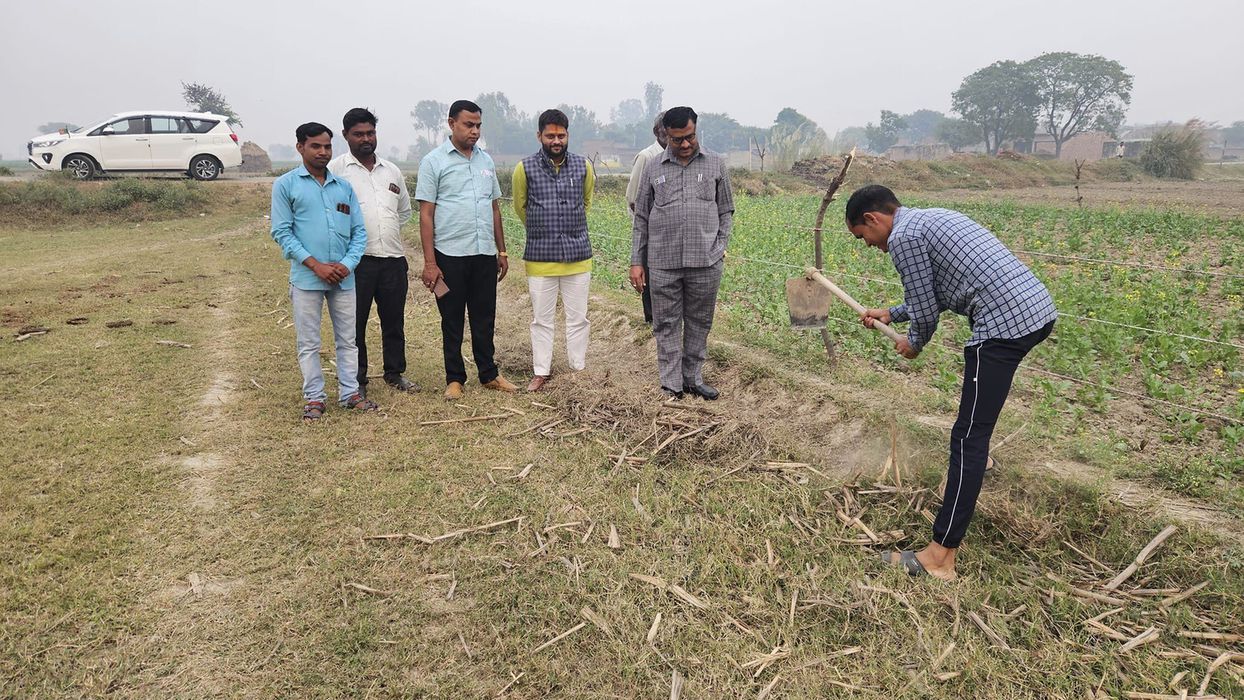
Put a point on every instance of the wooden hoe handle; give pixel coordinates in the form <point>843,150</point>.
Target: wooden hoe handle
<point>813,274</point>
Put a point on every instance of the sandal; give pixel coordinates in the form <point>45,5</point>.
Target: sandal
<point>358,403</point>
<point>313,411</point>
<point>906,559</point>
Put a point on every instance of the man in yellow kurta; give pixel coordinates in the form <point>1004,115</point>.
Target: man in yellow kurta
<point>552,194</point>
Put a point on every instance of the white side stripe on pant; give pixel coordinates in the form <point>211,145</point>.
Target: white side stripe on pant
<point>976,392</point>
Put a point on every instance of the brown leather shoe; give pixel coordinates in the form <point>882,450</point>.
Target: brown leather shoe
<point>501,384</point>
<point>453,392</point>
<point>537,382</point>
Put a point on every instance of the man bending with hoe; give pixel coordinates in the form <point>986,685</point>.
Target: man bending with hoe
<point>948,262</point>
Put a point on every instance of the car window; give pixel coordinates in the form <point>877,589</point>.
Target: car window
<point>128,126</point>
<point>201,126</point>
<point>165,125</point>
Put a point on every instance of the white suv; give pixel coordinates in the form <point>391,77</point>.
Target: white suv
<point>196,143</point>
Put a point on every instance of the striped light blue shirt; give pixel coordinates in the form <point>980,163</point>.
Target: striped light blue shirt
<point>463,191</point>
<point>320,221</point>
<point>948,262</point>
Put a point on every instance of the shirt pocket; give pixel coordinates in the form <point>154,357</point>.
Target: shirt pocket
<point>706,189</point>
<point>483,184</point>
<point>666,191</point>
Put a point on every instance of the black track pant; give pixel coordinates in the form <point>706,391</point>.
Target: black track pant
<point>988,369</point>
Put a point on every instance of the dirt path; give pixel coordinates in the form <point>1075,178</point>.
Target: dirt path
<point>195,602</point>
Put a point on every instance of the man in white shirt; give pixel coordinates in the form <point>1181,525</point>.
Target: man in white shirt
<point>381,275</point>
<point>632,190</point>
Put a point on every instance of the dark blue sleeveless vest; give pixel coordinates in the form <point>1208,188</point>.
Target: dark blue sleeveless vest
<point>556,220</point>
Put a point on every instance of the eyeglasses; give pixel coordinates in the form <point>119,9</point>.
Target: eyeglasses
<point>683,139</point>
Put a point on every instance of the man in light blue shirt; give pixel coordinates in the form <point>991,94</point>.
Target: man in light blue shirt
<point>317,221</point>
<point>463,246</point>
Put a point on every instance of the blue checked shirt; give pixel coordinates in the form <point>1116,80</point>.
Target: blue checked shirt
<point>948,262</point>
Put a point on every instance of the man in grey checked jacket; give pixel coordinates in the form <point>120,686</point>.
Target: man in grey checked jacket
<point>683,214</point>
<point>948,262</point>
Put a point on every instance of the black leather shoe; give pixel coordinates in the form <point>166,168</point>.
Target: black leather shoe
<point>670,393</point>
<point>401,383</point>
<point>703,391</point>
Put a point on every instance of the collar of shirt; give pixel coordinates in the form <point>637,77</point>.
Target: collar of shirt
<point>450,148</point>
<point>381,163</point>
<point>670,155</point>
<point>900,221</point>
<point>301,171</point>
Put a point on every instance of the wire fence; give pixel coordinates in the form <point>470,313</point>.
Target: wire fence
<point>1027,365</point>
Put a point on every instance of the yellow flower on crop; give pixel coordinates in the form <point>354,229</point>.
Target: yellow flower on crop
<point>1218,372</point>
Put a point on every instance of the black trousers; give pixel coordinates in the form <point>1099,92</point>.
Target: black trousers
<point>383,280</point>
<point>472,282</point>
<point>988,369</point>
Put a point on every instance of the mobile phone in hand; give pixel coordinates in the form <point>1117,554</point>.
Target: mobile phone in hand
<point>440,289</point>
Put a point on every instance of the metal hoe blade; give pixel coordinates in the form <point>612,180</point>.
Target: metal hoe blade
<point>808,303</point>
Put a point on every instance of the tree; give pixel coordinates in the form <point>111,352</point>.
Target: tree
<point>202,98</point>
<point>507,129</point>
<point>884,135</point>
<point>958,134</point>
<point>1078,93</point>
<point>430,117</point>
<point>1000,100</point>
<point>653,94</point>
<point>1233,134</point>
<point>922,125</point>
<point>53,127</point>
<point>794,137</point>
<point>848,138</point>
<point>583,122</point>
<point>721,132</point>
<point>629,111</point>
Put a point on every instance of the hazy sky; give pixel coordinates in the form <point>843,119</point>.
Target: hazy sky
<point>839,63</point>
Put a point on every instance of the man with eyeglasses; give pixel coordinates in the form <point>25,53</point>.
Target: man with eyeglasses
<point>684,211</point>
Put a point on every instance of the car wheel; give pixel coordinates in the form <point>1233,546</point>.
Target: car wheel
<point>79,167</point>
<point>204,168</point>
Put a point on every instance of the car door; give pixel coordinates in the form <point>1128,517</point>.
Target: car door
<point>125,145</point>
<point>171,143</point>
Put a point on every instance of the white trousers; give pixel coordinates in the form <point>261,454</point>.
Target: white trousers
<point>574,293</point>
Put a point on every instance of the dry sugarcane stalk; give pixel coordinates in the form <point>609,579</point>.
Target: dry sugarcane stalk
<point>1222,659</point>
<point>174,344</point>
<point>656,625</point>
<point>368,589</point>
<point>471,419</point>
<point>1168,602</point>
<point>510,684</point>
<point>1215,636</point>
<point>478,528</point>
<point>676,683</point>
<point>615,542</point>
<point>1149,635</point>
<point>764,692</point>
<point>989,632</point>
<point>559,637</point>
<point>1141,557</point>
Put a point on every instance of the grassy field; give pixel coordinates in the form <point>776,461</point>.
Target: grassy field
<point>1199,454</point>
<point>175,532</point>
